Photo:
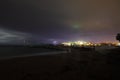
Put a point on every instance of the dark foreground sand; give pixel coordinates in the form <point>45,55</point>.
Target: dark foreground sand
<point>78,65</point>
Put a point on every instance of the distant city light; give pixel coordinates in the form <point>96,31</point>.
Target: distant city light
<point>118,44</point>
<point>84,43</point>
<point>67,43</point>
<point>77,43</point>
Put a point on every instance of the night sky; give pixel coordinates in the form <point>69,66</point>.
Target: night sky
<point>59,20</point>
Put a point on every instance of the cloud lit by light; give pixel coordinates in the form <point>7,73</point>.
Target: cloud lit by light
<point>8,36</point>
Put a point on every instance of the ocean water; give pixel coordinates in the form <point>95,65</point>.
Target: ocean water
<point>11,52</point>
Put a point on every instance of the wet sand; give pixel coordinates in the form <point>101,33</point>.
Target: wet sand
<point>78,65</point>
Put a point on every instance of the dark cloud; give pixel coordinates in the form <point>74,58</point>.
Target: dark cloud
<point>57,19</point>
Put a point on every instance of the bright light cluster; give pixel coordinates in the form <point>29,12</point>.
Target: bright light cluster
<point>67,43</point>
<point>118,44</point>
<point>83,43</point>
<point>77,43</point>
